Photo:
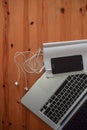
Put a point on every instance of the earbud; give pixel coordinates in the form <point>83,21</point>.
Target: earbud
<point>16,83</point>
<point>26,88</point>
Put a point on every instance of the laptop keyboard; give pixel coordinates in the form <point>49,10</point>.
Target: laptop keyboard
<point>64,97</point>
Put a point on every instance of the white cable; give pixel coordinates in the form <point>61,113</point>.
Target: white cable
<point>27,64</point>
<point>20,66</point>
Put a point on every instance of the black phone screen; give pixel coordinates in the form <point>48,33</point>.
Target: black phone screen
<point>66,64</point>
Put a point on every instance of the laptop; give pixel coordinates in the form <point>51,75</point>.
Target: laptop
<point>55,100</point>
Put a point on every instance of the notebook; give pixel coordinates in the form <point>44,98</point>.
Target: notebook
<point>55,100</point>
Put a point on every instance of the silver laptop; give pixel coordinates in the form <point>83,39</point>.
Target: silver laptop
<point>56,100</point>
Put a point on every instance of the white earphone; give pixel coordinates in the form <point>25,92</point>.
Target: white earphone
<point>16,83</point>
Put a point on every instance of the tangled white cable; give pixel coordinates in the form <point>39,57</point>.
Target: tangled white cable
<point>33,64</point>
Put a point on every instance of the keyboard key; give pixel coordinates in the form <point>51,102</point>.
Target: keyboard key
<point>47,110</point>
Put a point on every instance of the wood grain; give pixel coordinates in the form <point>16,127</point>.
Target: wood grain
<point>25,25</point>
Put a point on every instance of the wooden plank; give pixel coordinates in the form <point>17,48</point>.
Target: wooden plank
<point>76,20</point>
<point>2,109</point>
<point>65,14</point>
<point>5,56</point>
<point>51,21</point>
